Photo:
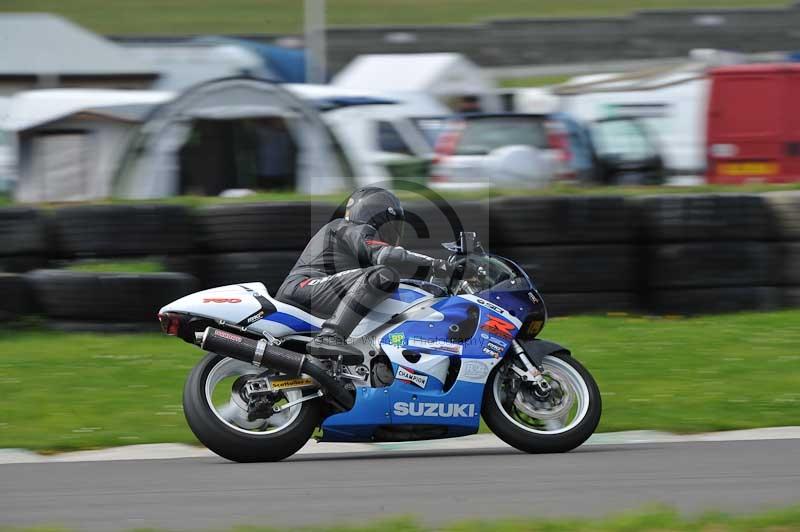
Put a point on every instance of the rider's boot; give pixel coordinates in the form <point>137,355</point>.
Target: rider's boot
<point>377,283</point>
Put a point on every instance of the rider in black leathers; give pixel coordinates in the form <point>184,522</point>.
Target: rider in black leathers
<point>351,265</point>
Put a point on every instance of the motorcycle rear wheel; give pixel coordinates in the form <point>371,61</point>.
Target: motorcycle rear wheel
<point>225,429</point>
<point>533,425</point>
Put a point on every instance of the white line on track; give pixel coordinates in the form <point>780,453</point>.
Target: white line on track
<point>161,451</point>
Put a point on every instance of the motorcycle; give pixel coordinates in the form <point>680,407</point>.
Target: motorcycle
<point>437,356</point>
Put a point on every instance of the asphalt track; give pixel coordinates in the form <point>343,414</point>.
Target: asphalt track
<point>196,493</point>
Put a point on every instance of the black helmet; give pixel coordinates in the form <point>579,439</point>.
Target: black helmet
<point>379,208</point>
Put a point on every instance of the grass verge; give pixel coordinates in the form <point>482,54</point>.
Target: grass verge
<point>286,16</point>
<point>117,266</point>
<point>534,81</point>
<point>66,391</point>
<point>652,519</point>
<point>454,195</point>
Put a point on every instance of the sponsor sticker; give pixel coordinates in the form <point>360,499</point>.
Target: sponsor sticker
<point>255,317</point>
<point>402,409</point>
<point>222,300</point>
<point>397,339</point>
<point>407,375</point>
<point>484,336</point>
<point>426,343</point>
<point>533,298</point>
<point>490,306</point>
<point>292,383</point>
<point>491,353</point>
<point>496,347</point>
<point>474,369</point>
<point>498,327</point>
<point>228,336</point>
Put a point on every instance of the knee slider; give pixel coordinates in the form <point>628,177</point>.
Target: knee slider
<point>383,278</point>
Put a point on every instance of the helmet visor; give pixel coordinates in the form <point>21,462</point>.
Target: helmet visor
<point>391,232</point>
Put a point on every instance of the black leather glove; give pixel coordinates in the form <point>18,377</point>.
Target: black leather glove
<point>442,269</point>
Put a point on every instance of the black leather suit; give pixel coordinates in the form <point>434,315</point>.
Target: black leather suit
<point>347,266</point>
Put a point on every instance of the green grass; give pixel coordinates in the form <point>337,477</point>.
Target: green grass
<point>61,391</point>
<point>73,391</point>
<point>494,192</point>
<point>117,266</point>
<point>654,519</point>
<point>286,16</point>
<point>534,81</point>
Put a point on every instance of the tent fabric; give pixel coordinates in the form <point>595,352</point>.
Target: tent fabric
<point>134,113</point>
<point>441,74</point>
<point>328,98</point>
<point>56,46</point>
<point>60,162</point>
<point>31,109</point>
<point>150,168</point>
<point>136,137</point>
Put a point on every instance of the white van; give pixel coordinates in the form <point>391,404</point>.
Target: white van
<point>672,104</point>
<point>379,132</point>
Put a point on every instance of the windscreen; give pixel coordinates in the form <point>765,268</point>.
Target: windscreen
<point>484,272</point>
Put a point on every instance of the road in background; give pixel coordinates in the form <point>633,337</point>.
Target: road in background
<point>436,486</point>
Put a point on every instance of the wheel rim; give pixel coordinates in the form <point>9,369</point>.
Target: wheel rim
<point>233,412</point>
<point>561,413</point>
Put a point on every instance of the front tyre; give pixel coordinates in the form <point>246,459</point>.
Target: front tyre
<point>218,415</point>
<point>535,423</point>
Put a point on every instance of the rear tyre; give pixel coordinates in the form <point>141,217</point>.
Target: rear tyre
<point>554,425</point>
<point>226,430</point>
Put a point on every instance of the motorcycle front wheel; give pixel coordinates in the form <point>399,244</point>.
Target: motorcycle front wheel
<point>529,420</point>
<point>217,413</point>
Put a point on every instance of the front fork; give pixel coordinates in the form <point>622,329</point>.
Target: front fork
<point>533,370</point>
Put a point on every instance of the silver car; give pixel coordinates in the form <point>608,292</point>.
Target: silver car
<point>506,149</point>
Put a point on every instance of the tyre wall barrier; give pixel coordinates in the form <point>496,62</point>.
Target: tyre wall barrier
<point>785,209</point>
<point>120,230</point>
<point>713,217</point>
<point>561,220</point>
<point>106,297</point>
<point>17,296</point>
<point>23,242</point>
<point>578,268</point>
<point>218,269</point>
<point>714,300</point>
<point>259,226</point>
<point>682,253</point>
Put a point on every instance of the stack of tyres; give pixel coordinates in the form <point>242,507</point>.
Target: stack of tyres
<point>23,242</point>
<point>785,211</point>
<point>254,241</point>
<point>23,246</point>
<point>90,231</point>
<point>580,251</point>
<point>124,298</point>
<point>709,253</point>
<point>112,232</point>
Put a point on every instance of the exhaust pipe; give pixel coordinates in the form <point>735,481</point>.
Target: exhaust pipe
<point>260,353</point>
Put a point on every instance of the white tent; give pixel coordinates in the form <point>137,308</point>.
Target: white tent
<point>444,75</point>
<point>198,142</point>
<point>6,156</point>
<point>76,144</point>
<point>68,141</point>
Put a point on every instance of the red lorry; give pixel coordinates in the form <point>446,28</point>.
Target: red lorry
<point>753,129</point>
